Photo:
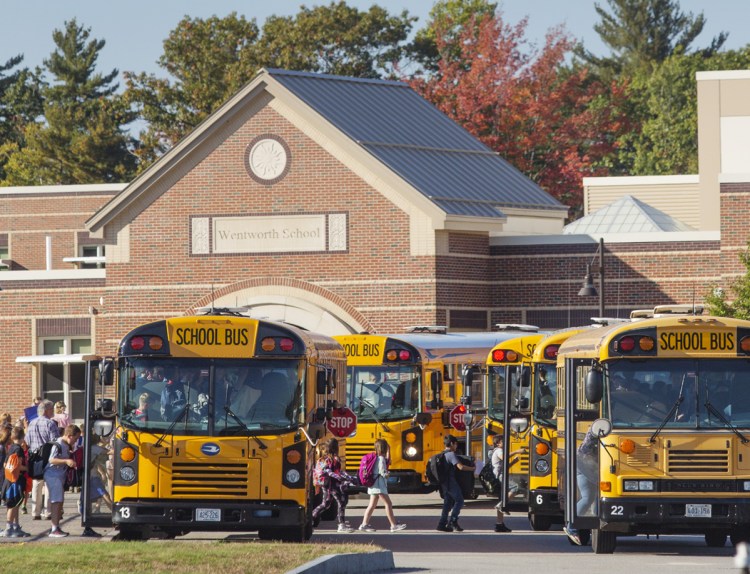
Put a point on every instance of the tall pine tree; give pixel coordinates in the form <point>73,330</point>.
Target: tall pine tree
<point>82,137</point>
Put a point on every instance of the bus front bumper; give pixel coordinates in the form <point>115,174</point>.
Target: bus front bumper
<point>208,515</point>
<point>405,481</point>
<point>673,515</point>
<point>544,502</point>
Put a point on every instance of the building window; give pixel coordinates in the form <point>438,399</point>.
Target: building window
<point>96,251</point>
<point>65,381</point>
<point>4,257</point>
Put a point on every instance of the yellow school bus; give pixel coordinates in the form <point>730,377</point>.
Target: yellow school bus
<point>214,422</point>
<point>654,429</point>
<point>509,364</point>
<point>403,387</point>
<point>544,506</point>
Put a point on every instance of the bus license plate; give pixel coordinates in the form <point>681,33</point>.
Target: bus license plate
<point>698,510</point>
<point>207,515</point>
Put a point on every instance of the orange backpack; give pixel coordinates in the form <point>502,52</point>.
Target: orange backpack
<point>12,467</point>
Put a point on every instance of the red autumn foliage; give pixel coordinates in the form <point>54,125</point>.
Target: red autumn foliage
<point>552,121</point>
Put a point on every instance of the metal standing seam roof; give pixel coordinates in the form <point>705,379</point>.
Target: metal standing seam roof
<point>418,142</point>
<point>626,215</point>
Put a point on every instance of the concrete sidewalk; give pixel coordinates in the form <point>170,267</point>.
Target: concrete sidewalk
<point>39,529</point>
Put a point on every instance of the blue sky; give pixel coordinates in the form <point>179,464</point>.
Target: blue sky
<point>134,30</point>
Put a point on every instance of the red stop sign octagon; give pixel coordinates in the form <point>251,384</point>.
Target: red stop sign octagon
<point>457,418</point>
<point>343,422</point>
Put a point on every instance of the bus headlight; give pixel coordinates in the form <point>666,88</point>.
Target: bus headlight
<point>542,466</point>
<point>292,476</point>
<point>127,474</point>
<point>746,485</point>
<point>638,485</point>
<point>410,451</point>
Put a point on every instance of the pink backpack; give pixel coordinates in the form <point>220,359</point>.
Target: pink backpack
<point>367,469</point>
<point>319,476</point>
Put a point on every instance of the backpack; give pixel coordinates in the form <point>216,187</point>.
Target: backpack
<point>12,467</point>
<point>367,469</point>
<point>319,476</point>
<point>490,482</point>
<point>437,469</point>
<point>74,475</point>
<point>39,459</point>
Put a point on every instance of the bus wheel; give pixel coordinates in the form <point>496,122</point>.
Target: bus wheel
<point>716,539</point>
<point>539,523</point>
<point>130,533</point>
<point>603,542</point>
<point>308,531</point>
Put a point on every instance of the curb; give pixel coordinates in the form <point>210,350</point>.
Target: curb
<point>346,563</point>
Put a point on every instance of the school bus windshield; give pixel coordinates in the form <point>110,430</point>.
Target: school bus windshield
<point>681,393</point>
<point>384,393</point>
<point>211,397</point>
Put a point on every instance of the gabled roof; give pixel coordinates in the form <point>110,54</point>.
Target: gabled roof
<point>421,144</point>
<point>432,157</point>
<point>626,215</point>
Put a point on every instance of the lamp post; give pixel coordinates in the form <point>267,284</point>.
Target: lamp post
<point>588,289</point>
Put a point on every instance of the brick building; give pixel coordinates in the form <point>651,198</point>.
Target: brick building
<point>335,204</point>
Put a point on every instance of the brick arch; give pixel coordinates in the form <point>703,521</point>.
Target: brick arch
<point>275,293</point>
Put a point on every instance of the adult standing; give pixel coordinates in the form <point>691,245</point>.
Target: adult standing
<point>453,497</point>
<point>61,417</point>
<point>41,430</point>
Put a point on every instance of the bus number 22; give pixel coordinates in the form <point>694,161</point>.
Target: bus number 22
<point>617,510</point>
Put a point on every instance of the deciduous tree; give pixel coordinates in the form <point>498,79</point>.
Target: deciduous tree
<point>553,123</point>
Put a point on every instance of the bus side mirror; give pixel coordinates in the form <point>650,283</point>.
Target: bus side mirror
<point>594,387</point>
<point>468,380</point>
<point>103,427</point>
<point>321,384</point>
<point>423,419</point>
<point>320,415</point>
<point>106,366</point>
<point>436,382</point>
<point>315,430</point>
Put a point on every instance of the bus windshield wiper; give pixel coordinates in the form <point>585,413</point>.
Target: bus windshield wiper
<point>373,407</point>
<point>170,428</point>
<point>240,422</point>
<point>719,415</point>
<point>668,416</point>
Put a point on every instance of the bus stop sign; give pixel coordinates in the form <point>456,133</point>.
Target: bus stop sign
<point>343,422</point>
<point>457,418</point>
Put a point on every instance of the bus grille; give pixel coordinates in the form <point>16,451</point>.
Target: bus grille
<point>354,453</point>
<point>696,461</point>
<point>209,480</point>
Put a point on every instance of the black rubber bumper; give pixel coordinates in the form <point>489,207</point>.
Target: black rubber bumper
<point>669,516</point>
<point>544,502</point>
<point>208,515</point>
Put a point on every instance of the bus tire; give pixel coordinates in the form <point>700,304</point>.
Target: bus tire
<point>603,542</point>
<point>539,523</point>
<point>585,536</point>
<point>716,539</point>
<point>128,533</point>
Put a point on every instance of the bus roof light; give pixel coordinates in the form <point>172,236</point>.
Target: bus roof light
<point>550,352</point>
<point>745,344</point>
<point>626,344</point>
<point>391,355</point>
<point>286,344</point>
<point>404,355</point>
<point>498,355</point>
<point>137,343</point>
<point>155,343</point>
<point>268,344</point>
<point>646,343</point>
<point>512,356</point>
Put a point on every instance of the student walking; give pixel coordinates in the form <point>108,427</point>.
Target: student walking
<point>13,491</point>
<point>453,498</point>
<point>379,490</point>
<point>332,481</point>
<point>54,475</point>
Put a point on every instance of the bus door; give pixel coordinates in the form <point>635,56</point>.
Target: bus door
<point>515,494</point>
<point>98,429</point>
<point>474,383</point>
<point>583,434</point>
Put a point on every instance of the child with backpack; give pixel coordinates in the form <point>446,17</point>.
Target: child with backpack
<point>14,483</point>
<point>332,481</point>
<point>379,490</point>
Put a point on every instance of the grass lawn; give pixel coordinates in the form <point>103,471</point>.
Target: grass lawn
<point>157,557</point>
